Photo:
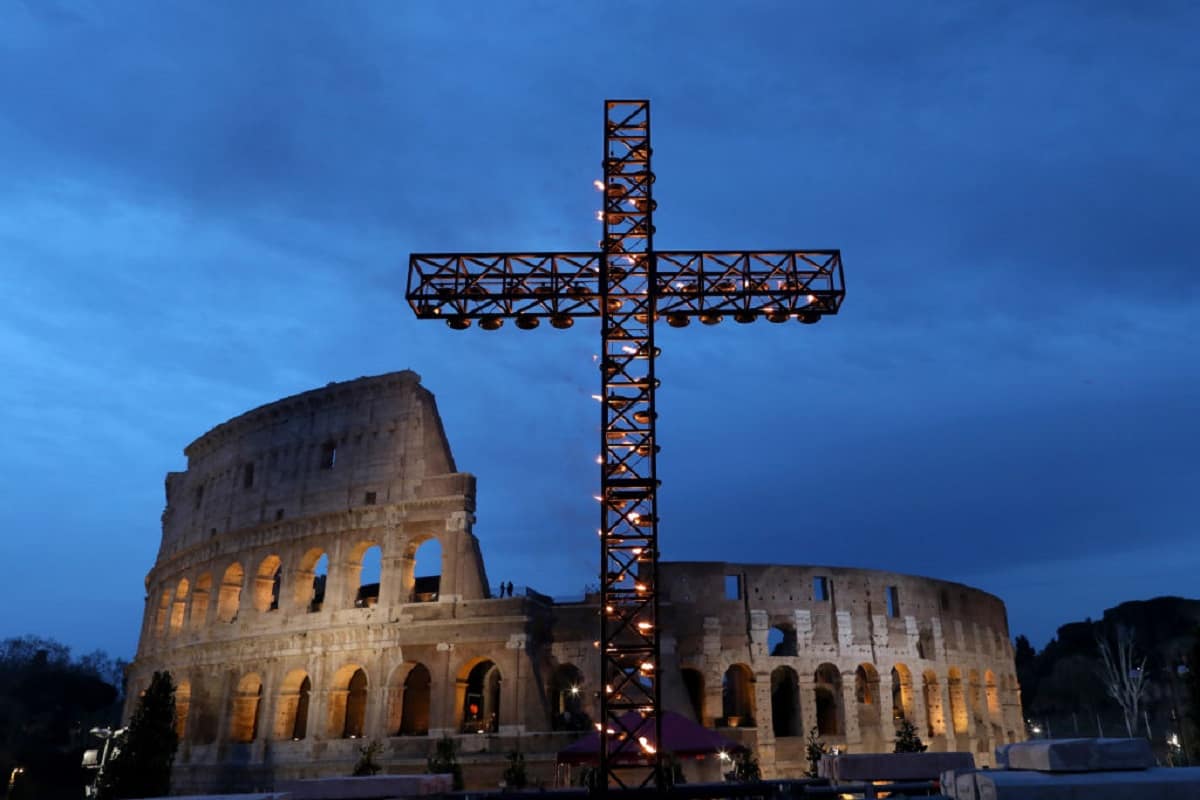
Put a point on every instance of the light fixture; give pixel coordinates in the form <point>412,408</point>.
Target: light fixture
<point>492,322</point>
<point>459,322</point>
<point>527,322</point>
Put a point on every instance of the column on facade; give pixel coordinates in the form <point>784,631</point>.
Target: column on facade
<point>952,738</point>
<point>887,711</point>
<point>447,692</point>
<point>853,734</point>
<point>808,702</point>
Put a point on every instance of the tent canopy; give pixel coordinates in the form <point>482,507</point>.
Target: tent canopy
<point>682,738</point>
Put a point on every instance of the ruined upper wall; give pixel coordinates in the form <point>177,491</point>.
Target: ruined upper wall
<point>368,441</point>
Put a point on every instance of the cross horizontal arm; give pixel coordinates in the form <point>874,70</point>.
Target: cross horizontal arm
<point>747,284</point>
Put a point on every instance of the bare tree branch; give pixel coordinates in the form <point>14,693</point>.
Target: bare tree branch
<point>1124,675</point>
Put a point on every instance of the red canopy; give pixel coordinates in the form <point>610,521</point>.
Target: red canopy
<point>682,738</point>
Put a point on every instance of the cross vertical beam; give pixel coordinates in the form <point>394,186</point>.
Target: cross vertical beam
<point>629,642</point>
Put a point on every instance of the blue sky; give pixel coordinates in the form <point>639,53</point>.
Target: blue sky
<point>208,206</point>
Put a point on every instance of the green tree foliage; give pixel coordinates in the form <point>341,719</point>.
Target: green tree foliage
<point>445,761</point>
<point>813,750</point>
<point>142,766</point>
<point>48,702</point>
<point>907,740</point>
<point>514,773</point>
<point>745,768</point>
<point>367,765</point>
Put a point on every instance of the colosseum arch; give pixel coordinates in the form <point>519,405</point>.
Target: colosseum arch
<point>311,576</point>
<point>200,595</point>
<point>164,606</point>
<point>230,597</point>
<point>409,693</point>
<point>179,607</point>
<point>295,694</point>
<point>958,700</point>
<point>781,639</point>
<point>866,696</point>
<point>267,583</point>
<point>247,700</point>
<point>566,694</point>
<point>347,712</point>
<point>423,581</point>
<point>737,696</point>
<point>975,697</point>
<point>365,572</point>
<point>183,705</point>
<point>693,684</point>
<point>993,695</point>
<point>827,691</point>
<point>478,693</point>
<point>935,715</point>
<point>785,702</point>
<point>902,694</point>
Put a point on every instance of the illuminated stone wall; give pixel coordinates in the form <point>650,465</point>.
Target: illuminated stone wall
<point>284,674</point>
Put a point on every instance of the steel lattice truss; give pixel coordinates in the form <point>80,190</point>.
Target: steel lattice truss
<point>629,285</point>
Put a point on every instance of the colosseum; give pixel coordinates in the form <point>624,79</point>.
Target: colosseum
<point>288,652</point>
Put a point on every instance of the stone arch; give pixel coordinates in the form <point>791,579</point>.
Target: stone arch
<point>993,694</point>
<point>781,639</point>
<point>200,598</point>
<point>230,597</point>
<point>183,705</point>
<point>426,572</point>
<point>567,708</point>
<point>975,700</point>
<point>247,698</point>
<point>164,607</point>
<point>409,693</point>
<point>693,683</point>
<point>903,706</point>
<point>935,715</point>
<point>827,691</point>
<point>737,696</point>
<point>365,572</point>
<point>295,695</point>
<point>179,607</point>
<point>785,702</point>
<point>958,700</point>
<point>347,703</point>
<point>312,574</point>
<point>478,691</point>
<point>266,583</point>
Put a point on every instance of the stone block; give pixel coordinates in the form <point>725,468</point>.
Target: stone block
<point>893,766</point>
<point>372,787</point>
<point>1080,755</point>
<point>1179,783</point>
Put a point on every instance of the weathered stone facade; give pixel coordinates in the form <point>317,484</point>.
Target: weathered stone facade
<point>283,674</point>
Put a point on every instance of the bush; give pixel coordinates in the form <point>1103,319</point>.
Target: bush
<point>907,740</point>
<point>814,749</point>
<point>367,765</point>
<point>444,761</point>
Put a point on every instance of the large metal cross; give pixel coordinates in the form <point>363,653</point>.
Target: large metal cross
<point>628,285</point>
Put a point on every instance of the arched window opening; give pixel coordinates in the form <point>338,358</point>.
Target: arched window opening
<point>414,715</point>
<point>369,570</point>
<point>693,682</point>
<point>266,584</point>
<point>866,685</point>
<point>347,703</point>
<point>427,572</point>
<point>230,596</point>
<point>934,714</point>
<point>311,576</point>
<point>200,595</point>
<point>566,698</point>
<point>827,688</point>
<point>246,702</point>
<point>183,705</point>
<point>975,695</point>
<point>781,640</point>
<point>785,702</point>
<point>164,607</point>
<point>958,701</point>
<point>480,711</point>
<point>737,697</point>
<point>179,608</point>
<point>291,722</point>
<point>902,693</point>
<point>993,693</point>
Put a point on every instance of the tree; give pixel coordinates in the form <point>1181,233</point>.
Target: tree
<point>1124,674</point>
<point>907,740</point>
<point>445,761</point>
<point>814,749</point>
<point>514,773</point>
<point>142,766</point>
<point>367,765</point>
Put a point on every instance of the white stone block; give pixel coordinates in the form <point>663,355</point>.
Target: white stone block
<point>1080,755</point>
<point>1179,783</point>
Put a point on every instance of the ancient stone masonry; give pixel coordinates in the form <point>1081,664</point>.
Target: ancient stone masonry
<point>286,654</point>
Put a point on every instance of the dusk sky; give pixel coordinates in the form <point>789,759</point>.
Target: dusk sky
<point>208,206</point>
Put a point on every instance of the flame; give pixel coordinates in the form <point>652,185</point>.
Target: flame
<point>644,626</point>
